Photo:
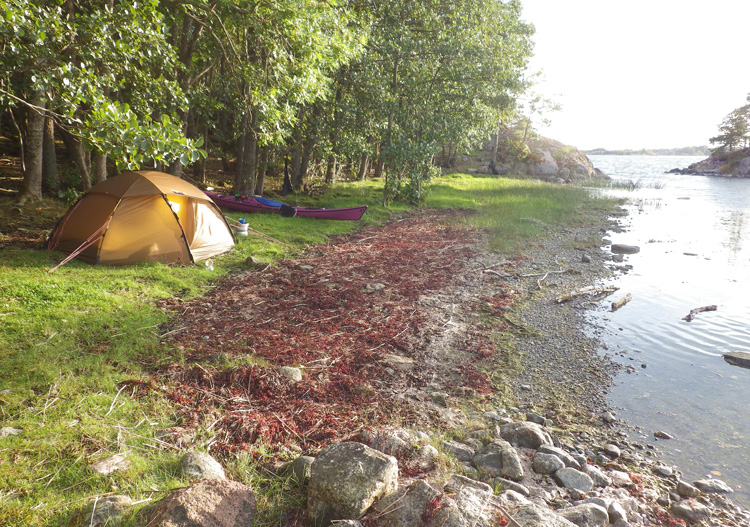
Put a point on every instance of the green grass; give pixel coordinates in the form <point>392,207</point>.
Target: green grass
<point>515,211</point>
<point>75,344</point>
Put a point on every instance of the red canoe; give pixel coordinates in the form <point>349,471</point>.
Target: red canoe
<point>259,204</point>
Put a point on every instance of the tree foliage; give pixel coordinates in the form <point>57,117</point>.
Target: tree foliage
<point>332,85</point>
<point>734,130</point>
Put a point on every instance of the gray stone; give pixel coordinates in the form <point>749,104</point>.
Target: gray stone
<point>712,486</point>
<point>469,507</point>
<point>299,469</point>
<point>393,442</point>
<point>405,509</point>
<point>532,515</point>
<point>526,435</point>
<point>598,476</point>
<point>690,510</point>
<point>571,478</point>
<point>346,523</point>
<point>290,373</point>
<point>617,512</point>
<point>546,463</point>
<point>586,515</point>
<point>440,398</point>
<point>499,458</point>
<point>215,503</point>
<point>8,431</point>
<point>110,465</point>
<point>457,482</point>
<point>254,263</point>
<point>619,478</point>
<point>663,471</point>
<point>107,510</point>
<point>507,484</point>
<point>346,479</point>
<point>686,490</point>
<point>458,450</point>
<point>536,418</point>
<point>566,458</point>
<point>199,465</point>
<point>612,451</point>
<point>620,248</point>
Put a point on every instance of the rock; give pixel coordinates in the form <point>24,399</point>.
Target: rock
<point>662,435</point>
<point>406,510</point>
<point>290,373</point>
<point>346,523</point>
<point>111,464</point>
<point>199,465</point>
<point>608,417</point>
<point>499,458</point>
<point>619,478</point>
<point>299,469</point>
<point>690,510</point>
<point>586,258</point>
<point>258,265</point>
<point>107,510</point>
<point>536,418</point>
<point>371,288</point>
<point>586,515</point>
<point>566,458</point>
<point>599,478</point>
<point>620,248</point>
<point>662,470</point>
<point>214,503</point>
<point>457,482</point>
<point>469,507</point>
<point>346,479</point>
<point>507,484</point>
<point>393,442</point>
<point>686,490</point>
<point>526,435</point>
<point>398,362</point>
<point>458,450</point>
<point>736,358</point>
<point>8,431</point>
<point>571,478</point>
<point>712,486</point>
<point>532,515</point>
<point>546,463</point>
<point>611,451</point>
<point>617,512</point>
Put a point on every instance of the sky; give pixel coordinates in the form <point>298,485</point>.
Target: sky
<point>632,74</point>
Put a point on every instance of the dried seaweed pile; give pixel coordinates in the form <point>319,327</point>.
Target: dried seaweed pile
<point>336,313</point>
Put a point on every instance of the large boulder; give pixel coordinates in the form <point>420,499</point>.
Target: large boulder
<point>346,479</point>
<point>526,435</point>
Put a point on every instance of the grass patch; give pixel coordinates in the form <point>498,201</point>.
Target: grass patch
<point>515,211</point>
<point>78,345</point>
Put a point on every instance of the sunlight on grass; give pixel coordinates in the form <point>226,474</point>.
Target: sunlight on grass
<point>78,346</point>
<point>513,210</point>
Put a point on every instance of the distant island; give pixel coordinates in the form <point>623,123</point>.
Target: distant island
<point>684,151</point>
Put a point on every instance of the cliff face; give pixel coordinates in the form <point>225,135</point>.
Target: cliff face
<point>546,159</point>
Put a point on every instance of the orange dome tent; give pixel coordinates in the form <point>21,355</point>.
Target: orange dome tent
<point>144,216</point>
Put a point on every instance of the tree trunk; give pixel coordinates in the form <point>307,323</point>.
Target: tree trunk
<point>31,189</point>
<point>260,180</point>
<point>77,154</point>
<point>330,178</point>
<point>99,165</point>
<point>364,161</point>
<point>50,177</point>
<point>295,168</point>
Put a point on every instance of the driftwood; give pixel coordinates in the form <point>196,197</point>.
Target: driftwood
<point>617,304</point>
<point>690,316</point>
<point>590,290</point>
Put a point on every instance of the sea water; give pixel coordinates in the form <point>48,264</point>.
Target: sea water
<point>694,239</point>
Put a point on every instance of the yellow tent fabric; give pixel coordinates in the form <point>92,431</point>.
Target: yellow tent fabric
<point>143,216</point>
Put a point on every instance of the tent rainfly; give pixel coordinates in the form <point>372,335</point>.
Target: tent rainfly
<point>144,216</point>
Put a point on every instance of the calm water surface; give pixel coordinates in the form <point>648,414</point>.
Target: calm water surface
<point>694,235</point>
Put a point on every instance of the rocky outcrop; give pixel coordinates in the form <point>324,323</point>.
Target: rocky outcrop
<point>546,159</point>
<point>732,164</point>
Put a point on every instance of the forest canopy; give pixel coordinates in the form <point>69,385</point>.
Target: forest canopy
<point>358,86</point>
